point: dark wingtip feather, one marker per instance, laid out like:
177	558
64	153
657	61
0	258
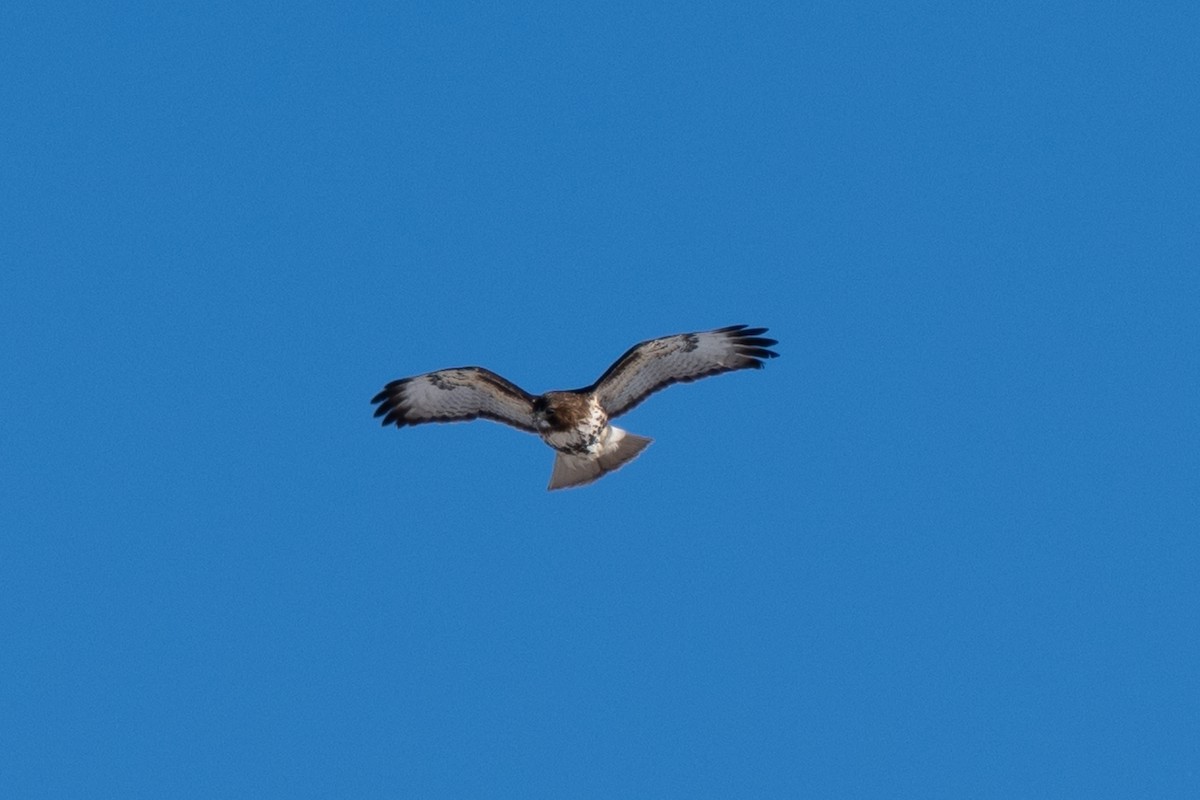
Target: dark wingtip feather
752	344
388	401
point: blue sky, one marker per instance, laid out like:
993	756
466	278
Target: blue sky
945	546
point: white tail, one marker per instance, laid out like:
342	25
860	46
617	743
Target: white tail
619	448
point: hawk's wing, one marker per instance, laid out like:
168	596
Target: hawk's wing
658	363
454	395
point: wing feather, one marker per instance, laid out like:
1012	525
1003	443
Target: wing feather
655	364
455	395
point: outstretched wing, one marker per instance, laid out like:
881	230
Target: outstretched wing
455	395
658	363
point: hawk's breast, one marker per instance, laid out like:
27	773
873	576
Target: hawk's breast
574	422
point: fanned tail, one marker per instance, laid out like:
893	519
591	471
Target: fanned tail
620	447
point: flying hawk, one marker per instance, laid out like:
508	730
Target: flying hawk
576	422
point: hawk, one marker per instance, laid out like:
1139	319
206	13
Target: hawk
576	422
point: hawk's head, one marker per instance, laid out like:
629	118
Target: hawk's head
561	411
544	415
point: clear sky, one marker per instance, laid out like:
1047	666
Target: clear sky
944	546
